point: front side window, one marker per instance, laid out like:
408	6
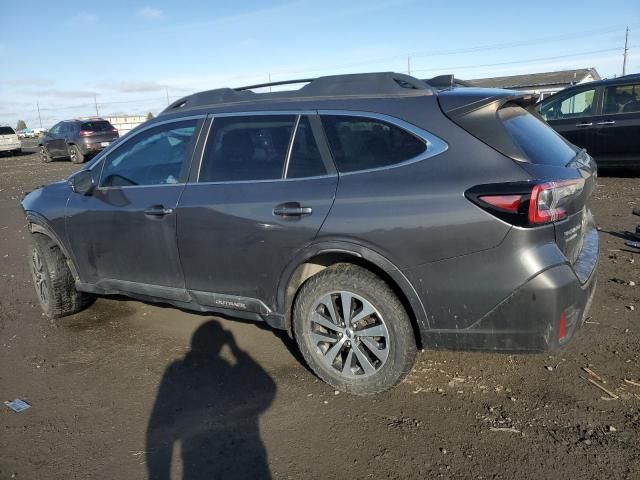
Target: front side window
622	99
55	129
252	147
154	157
579	105
361	143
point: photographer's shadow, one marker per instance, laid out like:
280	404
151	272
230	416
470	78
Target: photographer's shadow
211	407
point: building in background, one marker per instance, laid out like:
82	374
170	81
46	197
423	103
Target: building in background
125	123
544	84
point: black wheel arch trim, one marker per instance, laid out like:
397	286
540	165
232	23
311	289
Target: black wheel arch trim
360	252
39	224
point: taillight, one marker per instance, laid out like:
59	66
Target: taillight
84	133
527	204
114	130
548	200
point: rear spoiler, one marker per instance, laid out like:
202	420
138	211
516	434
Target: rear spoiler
476	111
460	102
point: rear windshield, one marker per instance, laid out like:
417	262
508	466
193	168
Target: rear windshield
6	131
97	126
539	142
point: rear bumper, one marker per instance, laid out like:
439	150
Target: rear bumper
530	318
10	147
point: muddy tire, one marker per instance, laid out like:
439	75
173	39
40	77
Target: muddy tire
45	157
353	331
53	281
75	154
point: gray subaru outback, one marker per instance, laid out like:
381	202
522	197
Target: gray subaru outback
367	215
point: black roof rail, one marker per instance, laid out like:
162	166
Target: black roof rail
275	84
351	85
446	81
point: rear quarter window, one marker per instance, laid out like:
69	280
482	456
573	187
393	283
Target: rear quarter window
362	143
6	131
539	142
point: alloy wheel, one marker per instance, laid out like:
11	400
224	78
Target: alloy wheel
39	277
349	334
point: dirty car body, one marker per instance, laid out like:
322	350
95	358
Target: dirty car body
467	206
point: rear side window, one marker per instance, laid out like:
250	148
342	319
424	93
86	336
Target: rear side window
97	126
622	99
6	131
539	142
361	143
157	156
247	148
305	160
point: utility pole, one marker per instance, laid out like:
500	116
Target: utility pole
408	65
626	49
166	89
95	102
269	81
39	117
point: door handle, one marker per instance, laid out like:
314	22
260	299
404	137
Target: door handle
584	124
158	211
291	209
608	122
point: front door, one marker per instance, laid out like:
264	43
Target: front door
572	116
54	141
262	193
124	233
617	130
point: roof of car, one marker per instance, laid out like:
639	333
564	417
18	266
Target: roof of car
364	85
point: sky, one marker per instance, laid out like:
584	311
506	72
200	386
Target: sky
128	56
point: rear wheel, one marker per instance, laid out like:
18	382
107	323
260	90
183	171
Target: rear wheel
75	154
353	331
44	154
53	281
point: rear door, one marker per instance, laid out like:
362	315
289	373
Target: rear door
617	129
572	116
261	193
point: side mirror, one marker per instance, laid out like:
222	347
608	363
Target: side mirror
83	182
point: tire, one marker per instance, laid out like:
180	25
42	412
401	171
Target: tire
53	281
44	154
376	309
75	154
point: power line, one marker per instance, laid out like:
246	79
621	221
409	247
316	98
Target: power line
530	60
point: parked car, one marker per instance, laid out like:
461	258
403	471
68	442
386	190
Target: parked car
364	214
76	139
9	141
601	116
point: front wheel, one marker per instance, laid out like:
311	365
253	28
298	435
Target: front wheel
75	154
53	281
44	154
353	331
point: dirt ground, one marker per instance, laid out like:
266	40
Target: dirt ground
126	390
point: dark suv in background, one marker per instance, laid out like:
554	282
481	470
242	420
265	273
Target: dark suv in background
364	214
76	139
601	116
